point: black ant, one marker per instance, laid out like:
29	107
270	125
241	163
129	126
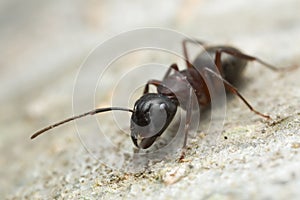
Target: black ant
148	110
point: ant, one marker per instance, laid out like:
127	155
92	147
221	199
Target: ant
146	119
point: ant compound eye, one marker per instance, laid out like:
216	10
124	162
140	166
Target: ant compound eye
162	106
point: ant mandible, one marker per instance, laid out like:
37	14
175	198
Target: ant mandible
147	112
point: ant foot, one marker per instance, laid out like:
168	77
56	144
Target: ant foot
182	156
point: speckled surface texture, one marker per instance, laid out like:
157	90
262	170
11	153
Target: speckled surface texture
42	47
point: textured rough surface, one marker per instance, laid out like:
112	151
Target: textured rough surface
42	46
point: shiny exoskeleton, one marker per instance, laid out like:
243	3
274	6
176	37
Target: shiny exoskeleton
153	112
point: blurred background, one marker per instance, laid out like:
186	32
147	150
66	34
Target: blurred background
43	44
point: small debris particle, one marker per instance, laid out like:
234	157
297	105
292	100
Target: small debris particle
173	176
202	135
295	145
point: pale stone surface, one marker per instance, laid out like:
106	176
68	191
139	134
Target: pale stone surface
42	46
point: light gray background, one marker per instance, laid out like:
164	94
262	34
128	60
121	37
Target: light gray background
42	46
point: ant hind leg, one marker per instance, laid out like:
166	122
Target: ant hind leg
247	58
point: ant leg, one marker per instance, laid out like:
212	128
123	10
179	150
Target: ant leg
185	53
233	90
156	83
245	57
187	125
173	66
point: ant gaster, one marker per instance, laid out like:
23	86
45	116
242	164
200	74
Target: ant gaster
153	112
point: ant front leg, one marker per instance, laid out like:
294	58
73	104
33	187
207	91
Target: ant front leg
184	46
156	83
187	124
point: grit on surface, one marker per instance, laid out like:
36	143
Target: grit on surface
42	46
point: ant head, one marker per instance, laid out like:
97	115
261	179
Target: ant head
152	115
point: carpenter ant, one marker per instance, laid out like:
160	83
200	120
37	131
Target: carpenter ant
147	112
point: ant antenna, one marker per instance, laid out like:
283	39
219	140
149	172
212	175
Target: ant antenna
92	112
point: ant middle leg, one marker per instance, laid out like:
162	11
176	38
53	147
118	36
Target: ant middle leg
233	90
174	67
185	53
